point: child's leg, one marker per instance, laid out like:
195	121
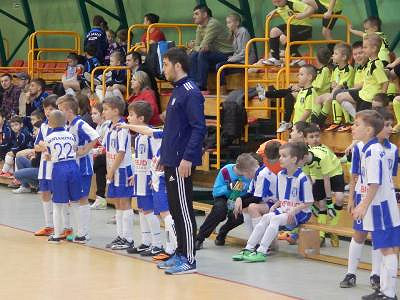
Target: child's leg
127	219
347	102
272	231
144	229
256	211
217	214
8	166
154	225
47	209
119	213
376	258
75	216
170	234
259	231
84	209
337	112
58	219
231	223
66	217
389	271
322	218
355	250
396	109
274	42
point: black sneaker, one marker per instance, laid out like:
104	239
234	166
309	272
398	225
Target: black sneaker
218	242
136	250
198	245
375	282
54	240
348	281
122	245
81	239
114	241
378	296
151	252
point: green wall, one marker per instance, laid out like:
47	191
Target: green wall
64	15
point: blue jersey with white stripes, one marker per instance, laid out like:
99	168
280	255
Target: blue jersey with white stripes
264	185
45	166
83	134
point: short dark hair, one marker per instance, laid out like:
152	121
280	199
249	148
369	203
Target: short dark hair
344	49
83	103
98	107
99	21
50	100
38	113
6	75
385	113
73	55
296	149
153	18
301	126
357	44
372	119
40	82
91	49
70	101
310	70
122	34
16	119
37	124
374	21
324	55
203	8
143	109
115	103
271	150
177	55
136	56
312	128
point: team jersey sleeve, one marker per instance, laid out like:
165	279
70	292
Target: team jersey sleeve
395	162
265	187
122	140
379	74
39	137
158	134
90	133
373	166
305	190
355	161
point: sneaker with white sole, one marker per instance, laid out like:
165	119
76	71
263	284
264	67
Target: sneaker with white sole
22	190
99	204
122	245
261	91
298	63
284	126
272	62
181	267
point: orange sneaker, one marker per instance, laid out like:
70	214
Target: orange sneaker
45	231
163	256
66	233
332	127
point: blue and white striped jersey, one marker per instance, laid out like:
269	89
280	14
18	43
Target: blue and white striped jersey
264	185
61	145
45	167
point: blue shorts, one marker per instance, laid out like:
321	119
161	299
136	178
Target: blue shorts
160	201
44	185
86	181
119	191
66	182
300	218
388	238
145	202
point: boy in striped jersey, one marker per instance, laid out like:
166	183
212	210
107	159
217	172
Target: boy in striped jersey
117	142
45	168
86	138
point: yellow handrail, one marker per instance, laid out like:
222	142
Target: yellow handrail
103	78
218	103
130	31
267	23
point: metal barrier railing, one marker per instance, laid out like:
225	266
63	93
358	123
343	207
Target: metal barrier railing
130	32
103	77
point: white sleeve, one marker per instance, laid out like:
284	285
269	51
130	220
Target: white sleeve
373	166
123	139
90	132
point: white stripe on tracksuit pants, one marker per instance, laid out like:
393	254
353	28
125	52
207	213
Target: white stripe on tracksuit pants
181	208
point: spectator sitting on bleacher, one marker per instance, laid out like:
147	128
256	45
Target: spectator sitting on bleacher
74	70
5	136
212	45
36	95
156	35
20	140
27	167
112	46
300	28
97	37
122	43
91	62
10	101
240	37
142	90
84	109
23	81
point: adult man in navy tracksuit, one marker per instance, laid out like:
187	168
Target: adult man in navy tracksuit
181	151
97	37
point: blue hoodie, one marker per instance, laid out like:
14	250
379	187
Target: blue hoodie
185	125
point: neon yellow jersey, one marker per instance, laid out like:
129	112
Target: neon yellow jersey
374	77
359	74
304	101
324	163
344	76
338	5
392	89
384	52
292	7
322	82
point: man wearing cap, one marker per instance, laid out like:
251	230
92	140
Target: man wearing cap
10	100
22	82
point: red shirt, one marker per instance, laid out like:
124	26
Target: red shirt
148	96
156	35
276	167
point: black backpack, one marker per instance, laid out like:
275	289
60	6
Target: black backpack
154	57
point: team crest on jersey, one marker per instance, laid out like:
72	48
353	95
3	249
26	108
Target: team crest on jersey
302	99
294	192
142	149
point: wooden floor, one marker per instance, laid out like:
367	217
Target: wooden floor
33	269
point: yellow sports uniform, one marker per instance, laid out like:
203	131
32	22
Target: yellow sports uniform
304	101
322	82
359	74
343	76
292	7
338	5
324	163
374	77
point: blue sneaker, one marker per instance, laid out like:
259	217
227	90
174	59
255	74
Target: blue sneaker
182	267
172	261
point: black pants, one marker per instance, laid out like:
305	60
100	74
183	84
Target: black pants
180	199
100	169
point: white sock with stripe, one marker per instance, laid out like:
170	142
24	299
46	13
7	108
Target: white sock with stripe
118	219
127	227
376	258
58	219
47	210
389	275
144	229
66	216
154	225
84	220
75	216
355	251
170	235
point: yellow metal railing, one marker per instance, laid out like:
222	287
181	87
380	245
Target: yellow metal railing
103	77
178	27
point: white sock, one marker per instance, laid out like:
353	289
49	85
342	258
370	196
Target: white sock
66	216
47	209
170	235
258	231
58	219
271	232
347	106
154	225
8	164
144	229
75	216
127	227
355	251
376	257
248	222
389	275
255	221
119	220
84	220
